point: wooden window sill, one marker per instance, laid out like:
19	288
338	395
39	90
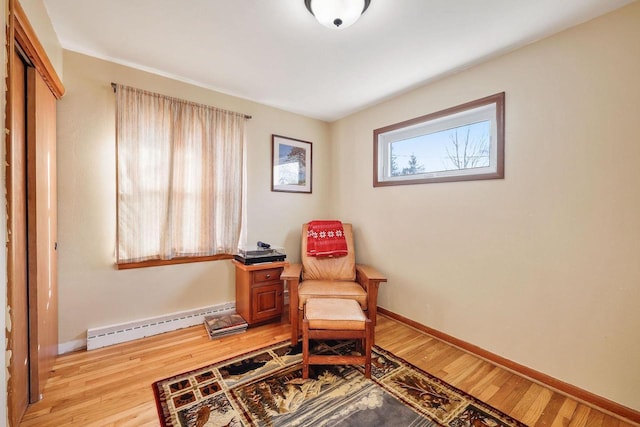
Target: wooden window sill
182	260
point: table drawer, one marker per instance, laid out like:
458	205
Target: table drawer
266	275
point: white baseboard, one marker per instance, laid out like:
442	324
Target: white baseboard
123	332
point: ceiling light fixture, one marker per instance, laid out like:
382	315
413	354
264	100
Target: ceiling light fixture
337	13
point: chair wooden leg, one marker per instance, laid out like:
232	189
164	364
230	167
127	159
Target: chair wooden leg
372	315
295	332
367	348
305	349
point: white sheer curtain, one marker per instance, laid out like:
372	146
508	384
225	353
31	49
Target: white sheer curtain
180	177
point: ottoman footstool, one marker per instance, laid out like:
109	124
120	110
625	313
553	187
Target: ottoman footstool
334	318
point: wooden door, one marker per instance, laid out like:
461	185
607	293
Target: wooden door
32	330
18	382
42	231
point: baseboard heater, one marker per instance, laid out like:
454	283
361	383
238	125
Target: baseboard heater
123	332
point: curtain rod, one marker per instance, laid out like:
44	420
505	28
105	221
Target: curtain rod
114	86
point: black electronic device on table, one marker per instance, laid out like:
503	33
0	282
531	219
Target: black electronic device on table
263	252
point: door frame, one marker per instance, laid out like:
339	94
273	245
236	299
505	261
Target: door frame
21	38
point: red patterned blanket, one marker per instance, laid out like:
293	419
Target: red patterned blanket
326	239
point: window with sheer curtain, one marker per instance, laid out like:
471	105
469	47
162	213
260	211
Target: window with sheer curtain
180	179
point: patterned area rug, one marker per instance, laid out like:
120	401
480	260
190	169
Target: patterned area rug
265	388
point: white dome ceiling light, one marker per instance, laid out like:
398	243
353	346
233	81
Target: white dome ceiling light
337	14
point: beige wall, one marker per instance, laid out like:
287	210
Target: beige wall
543	267
92	292
39	20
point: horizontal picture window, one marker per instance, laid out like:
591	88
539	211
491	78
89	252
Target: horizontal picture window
461	143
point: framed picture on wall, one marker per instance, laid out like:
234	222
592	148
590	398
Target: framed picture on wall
290	165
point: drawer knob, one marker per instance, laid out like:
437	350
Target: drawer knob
267	276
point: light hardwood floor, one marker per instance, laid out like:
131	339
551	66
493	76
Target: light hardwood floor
112	386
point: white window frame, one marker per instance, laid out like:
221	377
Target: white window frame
490	109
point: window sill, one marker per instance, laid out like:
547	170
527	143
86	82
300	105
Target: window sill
160	262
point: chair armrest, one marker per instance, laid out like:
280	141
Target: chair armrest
291	272
370	278
369	274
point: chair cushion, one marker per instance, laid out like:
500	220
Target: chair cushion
334	314
336	268
331	289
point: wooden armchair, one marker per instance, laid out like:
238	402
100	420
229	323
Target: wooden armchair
338	277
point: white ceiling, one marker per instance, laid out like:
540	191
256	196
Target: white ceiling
275	53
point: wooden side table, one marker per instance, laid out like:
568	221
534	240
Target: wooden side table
259	291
